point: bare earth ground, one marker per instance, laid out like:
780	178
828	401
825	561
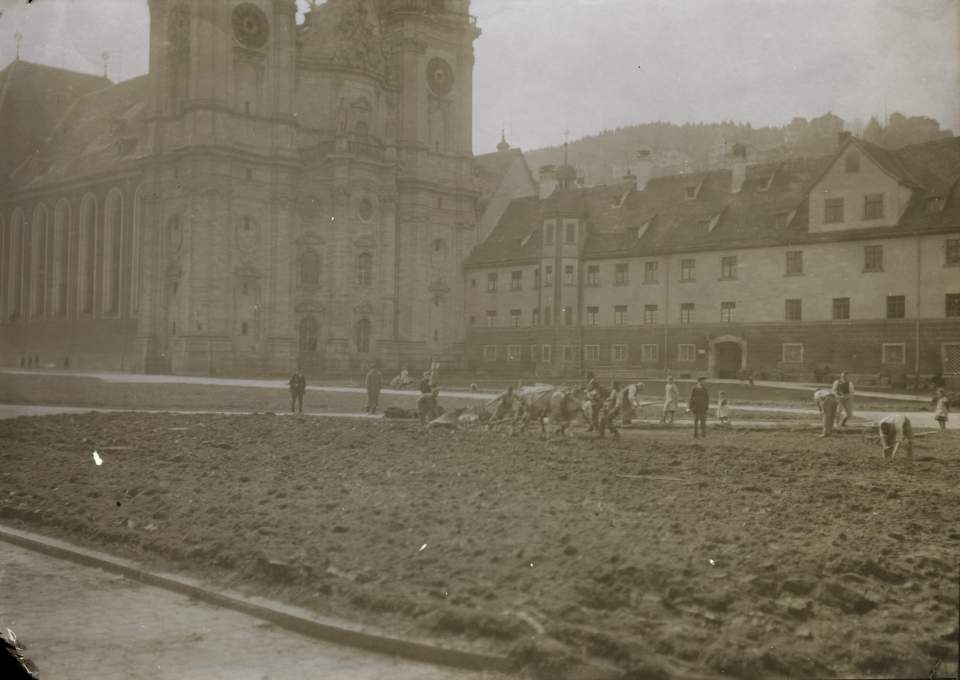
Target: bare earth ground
749	555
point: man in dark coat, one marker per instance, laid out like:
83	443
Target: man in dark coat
374	383
298	385
698	405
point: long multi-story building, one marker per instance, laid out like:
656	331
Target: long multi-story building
848	261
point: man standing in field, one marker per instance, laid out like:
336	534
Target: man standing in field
699	405
843	388
826	402
298	386
427	406
374	383
895	430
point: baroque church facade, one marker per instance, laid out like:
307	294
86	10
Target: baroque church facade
271	194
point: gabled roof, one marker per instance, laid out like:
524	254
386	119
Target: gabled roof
770	209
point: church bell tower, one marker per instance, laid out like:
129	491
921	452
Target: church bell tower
218	188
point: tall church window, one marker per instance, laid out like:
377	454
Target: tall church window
112	252
61	235
38	261
87	253
15	266
365	269
135	245
363	336
309	268
4	235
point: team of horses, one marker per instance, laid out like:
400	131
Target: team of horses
540	403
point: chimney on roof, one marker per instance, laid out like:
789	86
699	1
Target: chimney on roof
739	168
842	138
548	180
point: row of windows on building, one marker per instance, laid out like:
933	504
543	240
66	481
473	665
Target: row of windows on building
310	269
41	265
896	308
791	353
793	266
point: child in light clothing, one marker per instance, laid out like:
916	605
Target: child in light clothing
723	409
941	409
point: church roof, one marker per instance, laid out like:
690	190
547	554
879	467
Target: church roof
103	131
491	168
32	100
699	211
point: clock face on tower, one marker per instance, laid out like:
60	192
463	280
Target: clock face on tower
250	25
439	76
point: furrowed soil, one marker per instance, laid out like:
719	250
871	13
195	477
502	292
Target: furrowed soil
750	555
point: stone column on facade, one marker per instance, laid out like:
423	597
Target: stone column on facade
388	266
149	325
277	301
341	312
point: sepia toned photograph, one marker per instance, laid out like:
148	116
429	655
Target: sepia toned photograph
479	339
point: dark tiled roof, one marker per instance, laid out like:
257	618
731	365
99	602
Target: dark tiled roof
33	98
103	131
516	237
770	209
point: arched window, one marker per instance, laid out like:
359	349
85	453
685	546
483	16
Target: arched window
361	130
87	253
365	269
112	251
15	265
363	336
135	261
38	260
309	268
61	235
308	335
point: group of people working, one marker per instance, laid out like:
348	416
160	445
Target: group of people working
623	401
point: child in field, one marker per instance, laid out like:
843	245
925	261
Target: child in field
723	409
941	409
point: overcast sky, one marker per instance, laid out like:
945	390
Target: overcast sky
546	66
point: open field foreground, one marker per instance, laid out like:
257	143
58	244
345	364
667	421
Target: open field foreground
752	555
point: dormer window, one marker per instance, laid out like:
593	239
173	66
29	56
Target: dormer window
933	204
852	161
548	235
691	193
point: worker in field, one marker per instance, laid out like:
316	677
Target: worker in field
941	408
374	383
298	386
699	406
428	406
843	388
671	401
827	403
595	394
896	431
610	408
